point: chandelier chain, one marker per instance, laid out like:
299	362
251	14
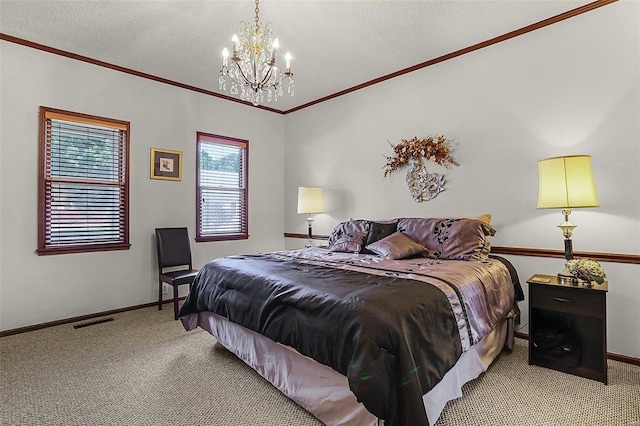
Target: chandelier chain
257	12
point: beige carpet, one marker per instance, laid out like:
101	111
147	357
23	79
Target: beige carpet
144	369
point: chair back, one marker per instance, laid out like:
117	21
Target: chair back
174	247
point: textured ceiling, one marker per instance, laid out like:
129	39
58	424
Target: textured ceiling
335	44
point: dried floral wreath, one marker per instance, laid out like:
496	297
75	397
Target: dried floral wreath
434	148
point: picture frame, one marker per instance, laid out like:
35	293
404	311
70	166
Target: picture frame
166	164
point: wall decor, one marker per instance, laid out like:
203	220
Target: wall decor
423	186
166	164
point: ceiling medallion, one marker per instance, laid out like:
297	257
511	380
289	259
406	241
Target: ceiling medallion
253	73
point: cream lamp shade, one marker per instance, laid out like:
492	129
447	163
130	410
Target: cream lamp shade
310	200
566	182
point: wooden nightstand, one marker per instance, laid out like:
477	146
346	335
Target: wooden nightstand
568	327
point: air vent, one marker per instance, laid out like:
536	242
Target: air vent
98	321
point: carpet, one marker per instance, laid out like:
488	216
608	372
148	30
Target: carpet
142	368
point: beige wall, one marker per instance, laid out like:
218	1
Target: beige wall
36	289
571	88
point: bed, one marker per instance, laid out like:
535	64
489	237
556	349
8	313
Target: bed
382	326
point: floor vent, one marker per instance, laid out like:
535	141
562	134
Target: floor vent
87	324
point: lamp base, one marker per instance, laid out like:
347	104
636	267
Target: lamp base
310	236
568	249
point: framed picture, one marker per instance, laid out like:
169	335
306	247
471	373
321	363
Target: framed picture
166	164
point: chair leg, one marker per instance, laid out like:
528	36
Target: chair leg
160	295
175	302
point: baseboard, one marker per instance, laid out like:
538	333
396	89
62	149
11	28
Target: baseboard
80	318
525	336
615	357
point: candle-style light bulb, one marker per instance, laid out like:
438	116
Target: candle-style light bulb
225	56
235	41
276	45
287	60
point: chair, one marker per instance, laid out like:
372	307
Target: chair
174	250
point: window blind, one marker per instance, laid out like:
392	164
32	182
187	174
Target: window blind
85	183
222	188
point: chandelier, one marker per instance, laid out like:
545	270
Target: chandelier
253	73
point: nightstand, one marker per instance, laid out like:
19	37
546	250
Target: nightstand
568	327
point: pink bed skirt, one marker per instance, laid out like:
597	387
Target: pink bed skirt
324	392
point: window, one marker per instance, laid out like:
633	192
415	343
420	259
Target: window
83	195
221	188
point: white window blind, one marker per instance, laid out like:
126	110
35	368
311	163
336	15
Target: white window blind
221	188
84	186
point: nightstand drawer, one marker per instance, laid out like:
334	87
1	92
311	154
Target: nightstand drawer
569	300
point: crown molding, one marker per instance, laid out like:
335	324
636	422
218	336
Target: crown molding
535	26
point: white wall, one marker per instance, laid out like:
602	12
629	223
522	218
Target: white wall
571	88
36	289
568	88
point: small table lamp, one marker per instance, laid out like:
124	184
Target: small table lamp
310	201
566	183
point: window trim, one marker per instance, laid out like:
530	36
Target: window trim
47	113
213	138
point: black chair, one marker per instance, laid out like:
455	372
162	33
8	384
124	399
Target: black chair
174	250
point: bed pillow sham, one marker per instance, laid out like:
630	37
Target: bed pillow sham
450	239
350	229
349	243
396	246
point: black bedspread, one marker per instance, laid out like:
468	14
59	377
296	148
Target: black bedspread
393	338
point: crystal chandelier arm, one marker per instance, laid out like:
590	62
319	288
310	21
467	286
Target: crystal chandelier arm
287	74
235	59
266	78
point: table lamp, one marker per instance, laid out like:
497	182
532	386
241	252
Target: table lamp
310	201
566	183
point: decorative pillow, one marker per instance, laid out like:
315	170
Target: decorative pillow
377	231
486	218
450	239
396	246
349	243
349	228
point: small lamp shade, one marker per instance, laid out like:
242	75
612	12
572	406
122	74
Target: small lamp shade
310	200
566	182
